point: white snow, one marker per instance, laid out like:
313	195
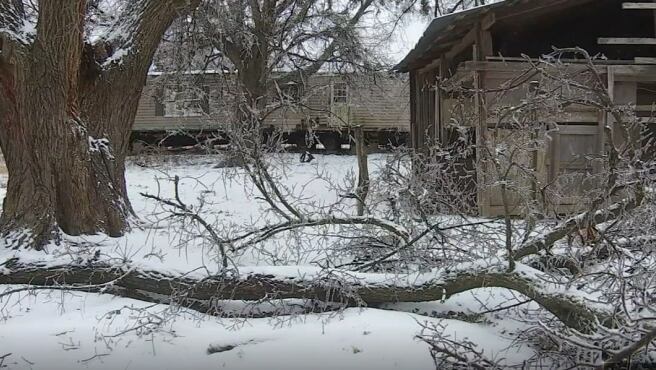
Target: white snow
54	330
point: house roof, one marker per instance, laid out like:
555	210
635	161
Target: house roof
444	31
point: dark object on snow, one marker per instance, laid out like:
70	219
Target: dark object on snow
306	157
212	349
218	349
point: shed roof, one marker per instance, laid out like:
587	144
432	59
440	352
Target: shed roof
444	31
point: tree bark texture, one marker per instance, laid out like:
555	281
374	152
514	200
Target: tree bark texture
65	120
199	293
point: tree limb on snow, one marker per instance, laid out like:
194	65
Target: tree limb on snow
199	292
629	350
545	241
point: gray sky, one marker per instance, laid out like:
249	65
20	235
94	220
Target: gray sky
407	36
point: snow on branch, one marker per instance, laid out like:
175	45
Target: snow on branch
16	23
139	27
198	291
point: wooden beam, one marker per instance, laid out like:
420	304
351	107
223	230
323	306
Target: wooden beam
533	10
432	65
645	60
465	43
645	108
444	114
485	46
627	40
474	36
649	6
488	21
482	193
654	13
564	60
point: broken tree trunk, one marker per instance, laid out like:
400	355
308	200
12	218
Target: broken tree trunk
200	292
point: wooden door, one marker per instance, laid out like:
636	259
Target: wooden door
570	166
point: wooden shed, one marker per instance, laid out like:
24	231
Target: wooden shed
490	45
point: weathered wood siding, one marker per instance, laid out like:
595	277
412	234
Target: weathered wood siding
572	149
426	126
565	166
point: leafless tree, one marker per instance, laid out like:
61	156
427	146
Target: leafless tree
586	267
414	227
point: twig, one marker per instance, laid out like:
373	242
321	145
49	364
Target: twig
179	204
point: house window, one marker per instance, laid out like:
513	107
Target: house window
340	92
184	101
291	92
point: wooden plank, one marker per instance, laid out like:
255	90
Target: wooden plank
554	154
432	65
541	172
444	108
485	46
605	117
413	110
482	195
624	93
437	119
488	21
577	118
645	60
627	40
471	37
649	6
465	42
564	60
623	71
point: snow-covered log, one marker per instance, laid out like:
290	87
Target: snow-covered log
198	291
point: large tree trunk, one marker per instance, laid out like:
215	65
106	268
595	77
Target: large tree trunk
57	180
65	121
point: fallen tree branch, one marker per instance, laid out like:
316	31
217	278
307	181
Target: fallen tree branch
625	353
199	292
545	241
270	231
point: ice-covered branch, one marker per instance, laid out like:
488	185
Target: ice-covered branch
136	33
198	291
546	240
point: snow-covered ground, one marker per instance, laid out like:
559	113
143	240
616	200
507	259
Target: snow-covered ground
55	330
51	331
158	242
